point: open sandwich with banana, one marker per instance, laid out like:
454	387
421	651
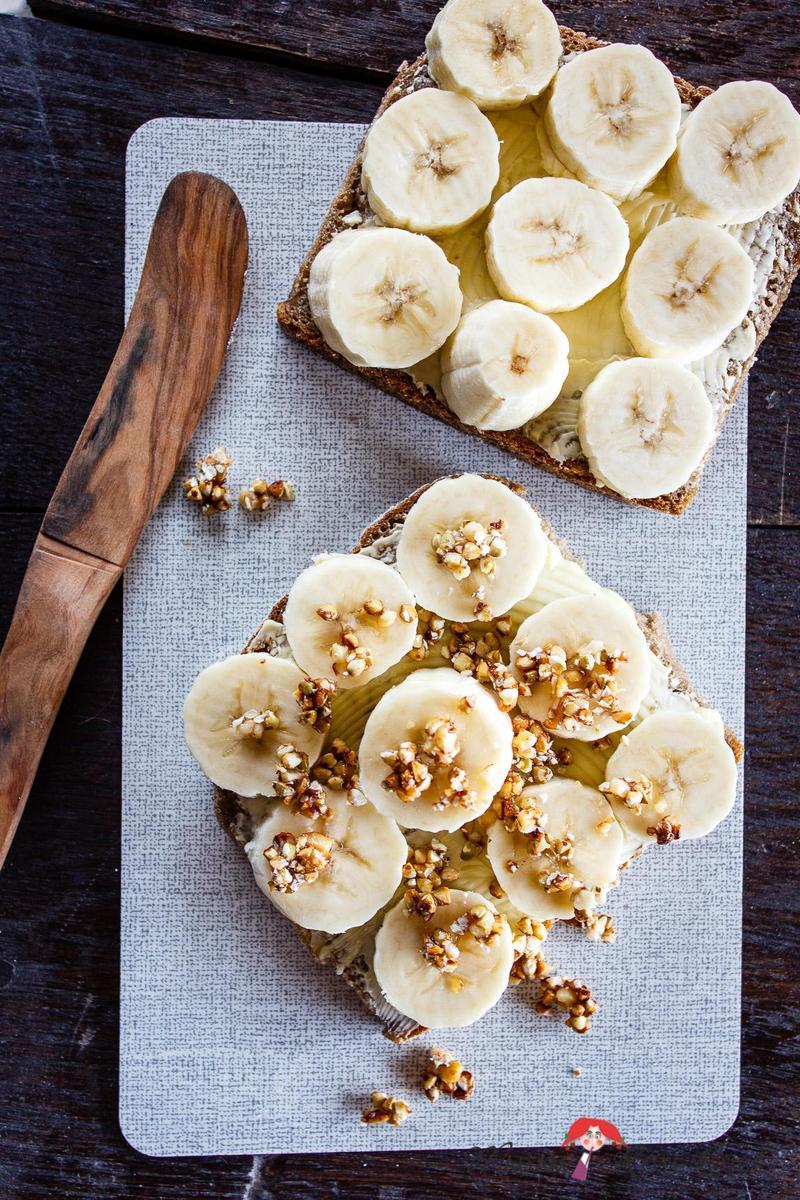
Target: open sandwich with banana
441	745
555	244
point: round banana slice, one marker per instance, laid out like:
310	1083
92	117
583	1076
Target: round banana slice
237	714
738	154
470	547
688	285
478	968
498	53
673	776
383	297
583	846
586	664
356	863
430	162
349	618
613	118
644	425
503	365
555	243
435	750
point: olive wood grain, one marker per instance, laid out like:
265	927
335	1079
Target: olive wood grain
158	384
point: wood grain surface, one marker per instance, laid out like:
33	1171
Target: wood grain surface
69	99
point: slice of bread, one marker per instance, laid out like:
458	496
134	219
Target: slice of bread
294	314
237	820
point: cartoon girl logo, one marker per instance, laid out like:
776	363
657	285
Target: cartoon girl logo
590	1134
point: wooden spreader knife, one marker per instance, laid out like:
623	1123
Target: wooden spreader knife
161	377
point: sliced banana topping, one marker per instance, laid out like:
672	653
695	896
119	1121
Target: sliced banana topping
571	843
447	970
384	297
435	750
430	162
738	154
500	53
644	426
613	118
350	618
584	664
673	776
239	713
687	287
555	243
470	548
504	365
332	874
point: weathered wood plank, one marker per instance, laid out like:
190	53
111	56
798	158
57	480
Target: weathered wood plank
707	42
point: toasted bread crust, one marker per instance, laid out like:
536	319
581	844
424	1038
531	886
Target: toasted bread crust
229	812
294	314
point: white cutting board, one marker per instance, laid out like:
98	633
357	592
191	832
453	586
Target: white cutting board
233	1040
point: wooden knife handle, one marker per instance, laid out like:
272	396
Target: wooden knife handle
62	593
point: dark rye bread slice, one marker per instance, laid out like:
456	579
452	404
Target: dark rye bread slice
237	821
294	314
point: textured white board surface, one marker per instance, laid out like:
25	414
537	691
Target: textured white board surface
233	1040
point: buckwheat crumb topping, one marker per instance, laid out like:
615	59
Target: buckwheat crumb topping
295	786
534	752
281	489
429	631
470	546
254	723
208	486
375	613
427	875
348	654
295	860
445	1075
479	655
385	1110
441	947
632	792
413	767
583	685
570	996
313	698
598	927
556	881
519	813
337	769
665	831
528	937
409	776
255	498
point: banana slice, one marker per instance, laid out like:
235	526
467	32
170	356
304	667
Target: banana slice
498	52
384	297
583	845
431	996
555	243
613	118
237	714
738	154
504	365
430	162
644	425
470	548
672	776
586	664
349	618
687	287
435	750
364	866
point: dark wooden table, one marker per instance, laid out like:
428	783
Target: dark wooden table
74	84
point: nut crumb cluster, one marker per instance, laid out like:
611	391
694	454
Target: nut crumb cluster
208	487
254	723
441	947
430	630
480	655
634	793
427	875
294	860
413	767
385	1110
337	769
295	786
583	685
313	698
527	938
260	494
349	656
471	546
446	1076
569	996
